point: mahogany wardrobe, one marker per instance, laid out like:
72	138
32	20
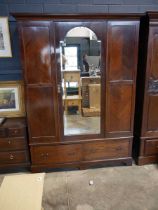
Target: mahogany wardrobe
42	37
146	117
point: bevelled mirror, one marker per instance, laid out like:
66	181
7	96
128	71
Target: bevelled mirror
80	59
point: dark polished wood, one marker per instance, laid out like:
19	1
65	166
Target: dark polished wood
97	16
40	80
17	143
40	37
13	144
41	121
42	61
146	117
121	65
81	151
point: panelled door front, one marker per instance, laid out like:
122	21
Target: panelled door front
121	66
40	80
150	121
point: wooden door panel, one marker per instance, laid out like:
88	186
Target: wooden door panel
119	108
41	108
150	118
153	113
37	54
121	67
154	54
122	50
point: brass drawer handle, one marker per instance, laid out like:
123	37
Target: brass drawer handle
9	142
44	155
11	157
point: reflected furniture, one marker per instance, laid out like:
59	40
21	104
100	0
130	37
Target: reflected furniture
40	37
13	144
70	76
94	96
85	82
146	118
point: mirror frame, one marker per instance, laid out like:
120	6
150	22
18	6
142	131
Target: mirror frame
99	29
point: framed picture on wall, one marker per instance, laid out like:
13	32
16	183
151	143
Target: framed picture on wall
5	46
12	99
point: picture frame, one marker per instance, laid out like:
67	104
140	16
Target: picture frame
5	45
12	99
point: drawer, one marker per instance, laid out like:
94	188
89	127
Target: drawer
151	147
13	157
3	132
95	80
7	144
72	76
105	150
73	102
56	154
14	132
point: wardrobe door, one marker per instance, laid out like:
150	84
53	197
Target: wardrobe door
74	39
40	80
121	65
150	120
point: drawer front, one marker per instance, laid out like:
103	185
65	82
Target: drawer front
13	157
151	147
73	77
7	144
73	102
15	132
80	152
56	154
3	132
106	149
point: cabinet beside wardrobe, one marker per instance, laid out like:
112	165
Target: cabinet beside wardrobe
146	117
40	37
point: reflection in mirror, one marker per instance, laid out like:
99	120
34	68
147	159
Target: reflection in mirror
81	82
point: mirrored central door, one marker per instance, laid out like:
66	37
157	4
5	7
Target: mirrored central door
80	73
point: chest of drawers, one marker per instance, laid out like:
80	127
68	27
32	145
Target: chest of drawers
13	143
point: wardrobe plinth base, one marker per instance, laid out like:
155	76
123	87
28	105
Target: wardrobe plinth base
83	165
142	160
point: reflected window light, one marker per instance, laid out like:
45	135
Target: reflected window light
71	58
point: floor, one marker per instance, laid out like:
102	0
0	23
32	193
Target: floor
112	188
76	124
